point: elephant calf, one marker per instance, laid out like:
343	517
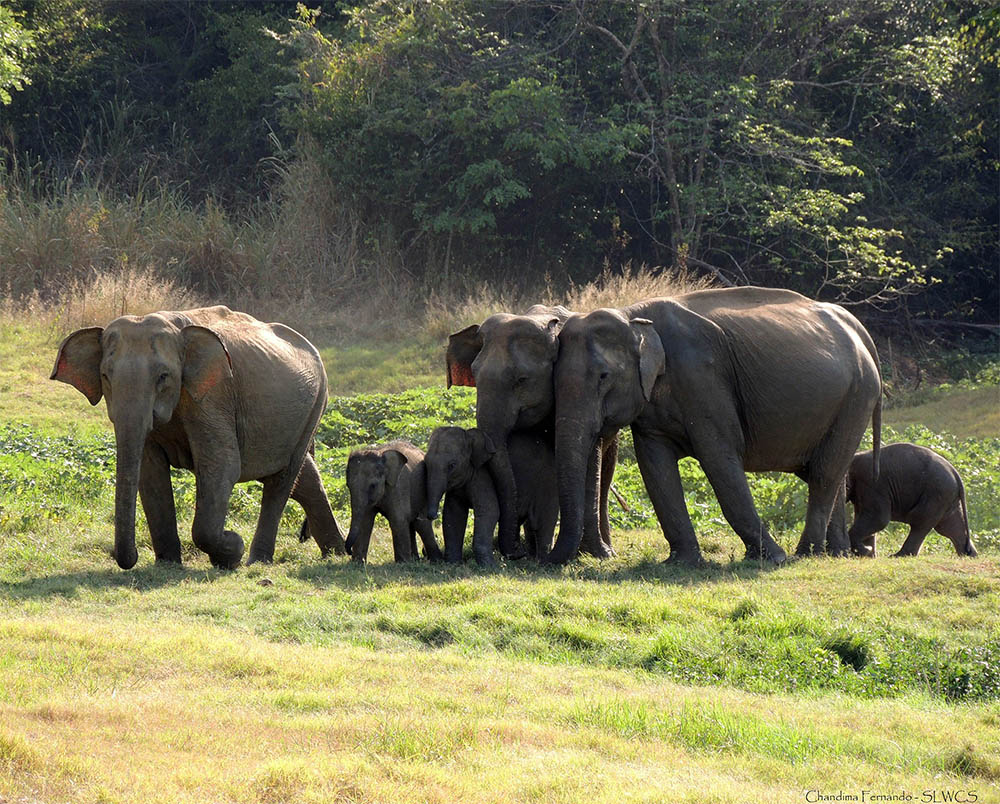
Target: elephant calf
457	470
390	480
916	486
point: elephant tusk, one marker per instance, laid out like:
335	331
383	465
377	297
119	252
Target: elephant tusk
621	500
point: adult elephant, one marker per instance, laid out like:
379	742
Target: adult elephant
217	392
743	379
509	360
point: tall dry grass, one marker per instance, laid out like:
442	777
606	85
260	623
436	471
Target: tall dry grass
80	255
470	303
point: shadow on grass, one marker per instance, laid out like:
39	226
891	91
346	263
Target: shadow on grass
352	576
69	584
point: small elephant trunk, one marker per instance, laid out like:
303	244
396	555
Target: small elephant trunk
130	438
437	485
360	535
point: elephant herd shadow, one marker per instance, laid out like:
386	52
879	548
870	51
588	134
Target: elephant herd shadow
348	576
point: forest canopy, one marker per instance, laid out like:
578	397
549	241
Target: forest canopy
847	150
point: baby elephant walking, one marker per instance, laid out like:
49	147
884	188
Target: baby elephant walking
457	471
390	480
916	486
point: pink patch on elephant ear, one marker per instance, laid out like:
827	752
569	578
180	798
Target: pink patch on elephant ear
207	380
81	380
460	374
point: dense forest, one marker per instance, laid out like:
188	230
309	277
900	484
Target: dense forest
845	149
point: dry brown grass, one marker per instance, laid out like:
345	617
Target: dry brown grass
99	298
468	304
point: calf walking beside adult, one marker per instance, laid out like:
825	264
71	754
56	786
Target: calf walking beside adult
743	379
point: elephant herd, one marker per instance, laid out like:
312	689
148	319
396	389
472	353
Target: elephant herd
742	379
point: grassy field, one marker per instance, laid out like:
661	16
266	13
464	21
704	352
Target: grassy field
316	681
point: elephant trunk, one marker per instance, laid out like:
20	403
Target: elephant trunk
130	437
437	485
575	449
360	534
503	481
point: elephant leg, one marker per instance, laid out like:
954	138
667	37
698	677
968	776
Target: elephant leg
914	540
157	495
729	482
320	522
592	542
823	494
862	533
658	467
952	525
609	458
530	535
825	474
921	520
837	543
400	529
544	516
274	497
425	529
454	518
485	516
213	488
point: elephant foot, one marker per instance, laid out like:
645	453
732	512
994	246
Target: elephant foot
864	551
304	531
175	560
518	552
688	558
487	563
901	554
771	553
601	551
230	551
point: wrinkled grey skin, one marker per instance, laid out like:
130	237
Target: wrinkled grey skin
217	392
743	379
509	359
915	485
391	480
456	470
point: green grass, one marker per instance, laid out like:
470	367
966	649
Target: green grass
317	680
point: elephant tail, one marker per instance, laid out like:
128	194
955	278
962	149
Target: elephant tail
970	549
876	436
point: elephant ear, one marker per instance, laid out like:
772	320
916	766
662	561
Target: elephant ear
79	362
394	461
481	447
652	360
206	361
463	347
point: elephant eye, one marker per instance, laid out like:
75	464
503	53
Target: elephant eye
521	381
162	378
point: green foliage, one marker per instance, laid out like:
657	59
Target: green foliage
15	48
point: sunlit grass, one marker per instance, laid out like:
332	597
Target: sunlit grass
317	680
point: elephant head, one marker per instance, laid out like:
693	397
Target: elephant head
453	456
144	367
607	367
509	359
371	475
